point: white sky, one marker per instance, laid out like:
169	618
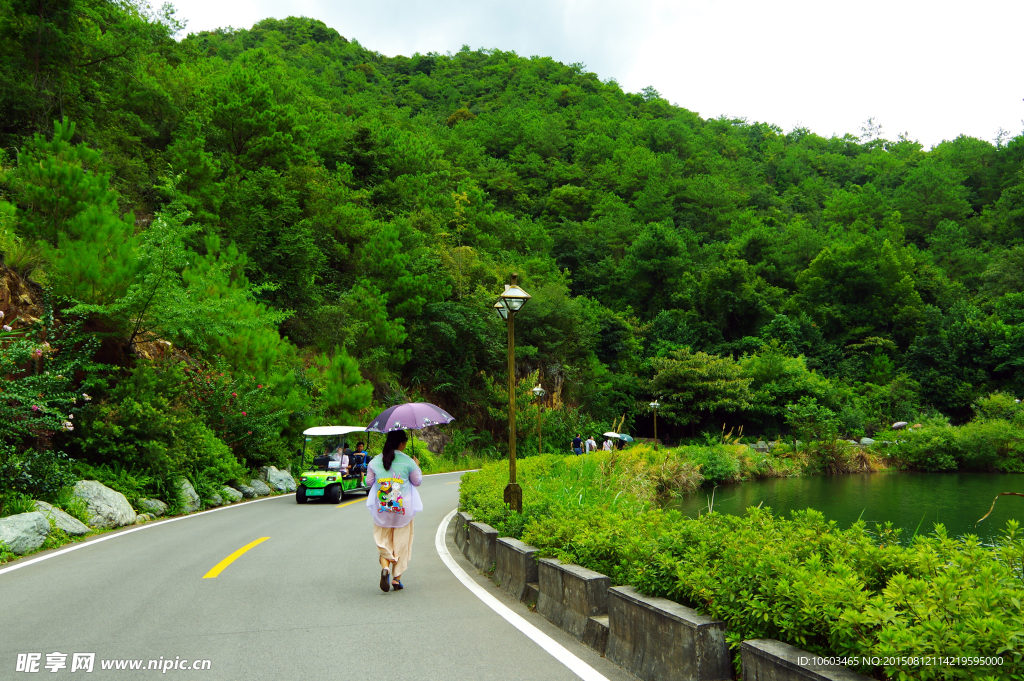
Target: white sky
931	68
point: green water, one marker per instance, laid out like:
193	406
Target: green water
957	500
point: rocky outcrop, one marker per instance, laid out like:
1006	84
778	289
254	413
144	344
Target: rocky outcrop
189	499
61	520
107	508
278	480
231	494
214	500
24	532
435	438
153	507
259	487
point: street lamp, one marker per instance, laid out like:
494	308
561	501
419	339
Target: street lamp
654	405
538	392
510	302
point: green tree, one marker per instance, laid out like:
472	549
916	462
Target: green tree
693	386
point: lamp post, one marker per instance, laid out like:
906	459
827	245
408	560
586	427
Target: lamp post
510	302
538	392
654	405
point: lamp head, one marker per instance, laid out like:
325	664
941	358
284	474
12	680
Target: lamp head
654	404
514	297
500	308
538	391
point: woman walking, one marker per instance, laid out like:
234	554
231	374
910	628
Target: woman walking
393	500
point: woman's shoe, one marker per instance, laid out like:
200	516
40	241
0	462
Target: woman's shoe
396	584
385	580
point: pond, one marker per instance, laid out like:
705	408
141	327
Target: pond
956	500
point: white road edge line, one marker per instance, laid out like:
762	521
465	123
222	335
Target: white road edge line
115	535
555	649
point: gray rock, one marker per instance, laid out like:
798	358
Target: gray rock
852	442
153	507
867	441
231	494
189	499
24	532
247	492
107	507
260	487
142	518
899	424
73	526
280	481
214	500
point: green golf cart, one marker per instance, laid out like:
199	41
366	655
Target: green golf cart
324	479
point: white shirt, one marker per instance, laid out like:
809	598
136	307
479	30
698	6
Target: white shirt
607	445
591	445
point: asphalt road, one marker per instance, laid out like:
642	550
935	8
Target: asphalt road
305	603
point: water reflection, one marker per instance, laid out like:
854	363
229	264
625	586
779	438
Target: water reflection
957	500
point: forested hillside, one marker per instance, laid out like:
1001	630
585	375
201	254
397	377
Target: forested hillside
294	211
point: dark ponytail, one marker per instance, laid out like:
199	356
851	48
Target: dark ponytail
394	440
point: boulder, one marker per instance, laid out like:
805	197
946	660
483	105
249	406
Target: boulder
153	507
107	508
259	487
24	532
867	441
189	499
280	481
231	494
899	424
73	526
214	500
247	492
142	518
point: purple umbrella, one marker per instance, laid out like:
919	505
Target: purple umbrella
411	415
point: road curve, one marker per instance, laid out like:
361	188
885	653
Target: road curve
304	603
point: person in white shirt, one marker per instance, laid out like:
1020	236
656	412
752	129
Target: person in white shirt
591	444
607	445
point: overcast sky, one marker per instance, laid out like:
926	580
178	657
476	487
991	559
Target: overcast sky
933	69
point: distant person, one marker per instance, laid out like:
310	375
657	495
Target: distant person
577	446
620	444
591	444
359	461
393	501
607	446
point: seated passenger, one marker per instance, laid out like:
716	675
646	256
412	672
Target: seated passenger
341	457
360	459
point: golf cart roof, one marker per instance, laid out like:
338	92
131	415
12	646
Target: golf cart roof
333	430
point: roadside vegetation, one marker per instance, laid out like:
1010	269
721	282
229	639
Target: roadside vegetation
801	579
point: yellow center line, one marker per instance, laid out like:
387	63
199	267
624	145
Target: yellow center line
349	503
453	483
219	567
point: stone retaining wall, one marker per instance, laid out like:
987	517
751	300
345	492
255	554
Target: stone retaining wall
481	546
570	596
657	639
515	566
769	660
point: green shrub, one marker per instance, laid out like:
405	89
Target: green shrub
145	427
982	444
717	464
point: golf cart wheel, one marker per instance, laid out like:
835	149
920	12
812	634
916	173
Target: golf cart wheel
300	494
335	494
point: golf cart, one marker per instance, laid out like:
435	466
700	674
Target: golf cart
324	479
